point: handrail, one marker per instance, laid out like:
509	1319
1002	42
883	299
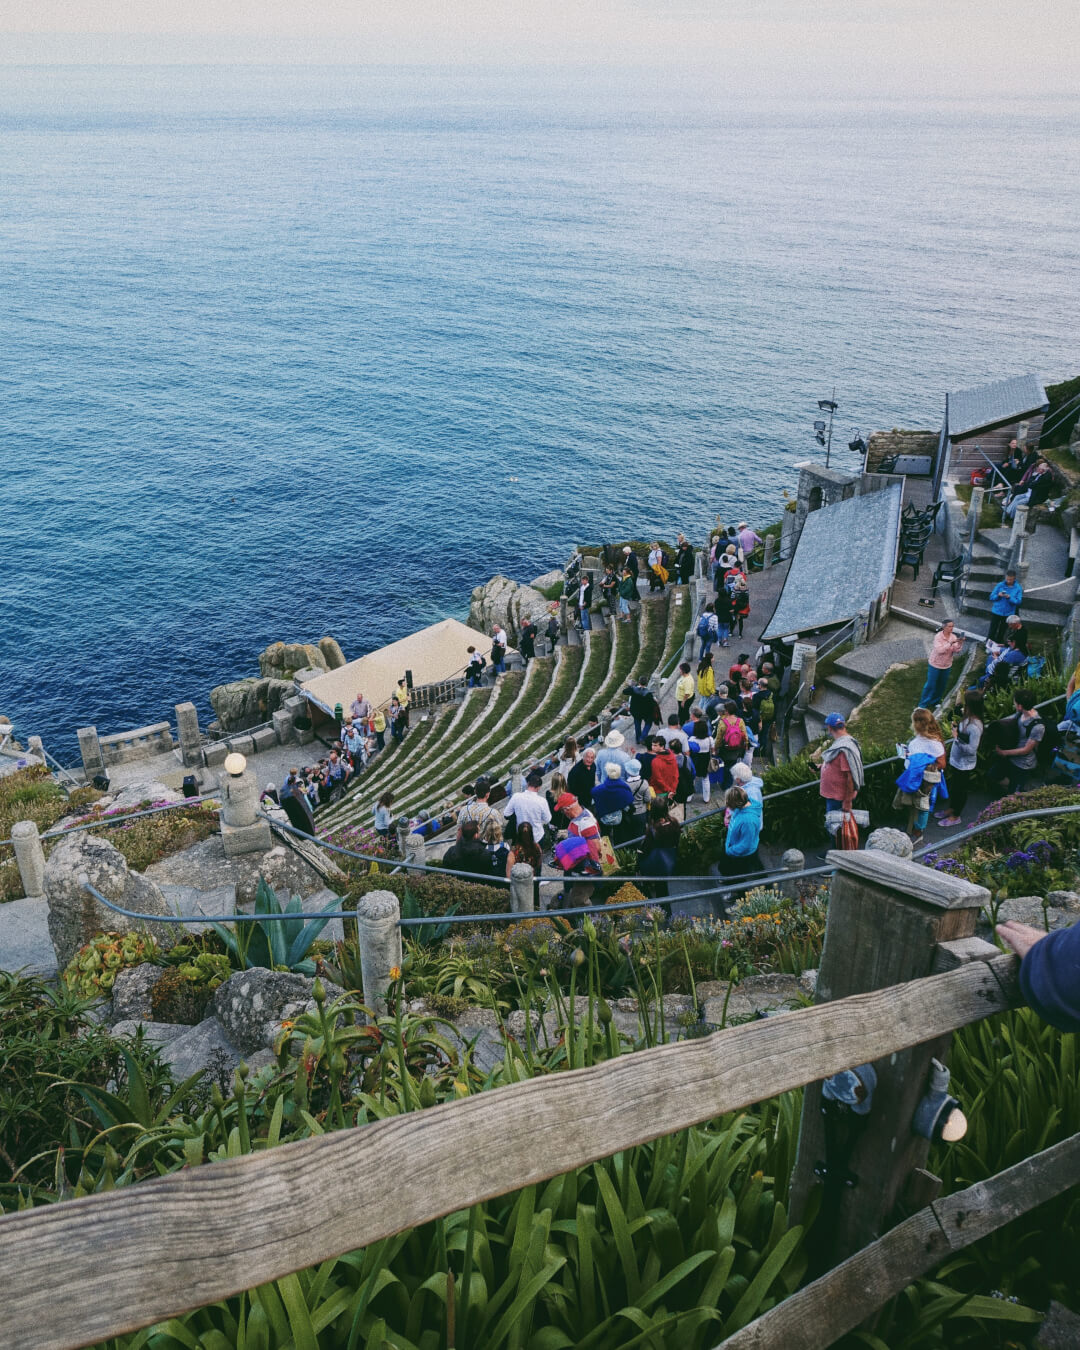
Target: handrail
251	1231
122	817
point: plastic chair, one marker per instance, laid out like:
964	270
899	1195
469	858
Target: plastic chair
911	557
950	572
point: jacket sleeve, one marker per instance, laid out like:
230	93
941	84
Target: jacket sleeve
1050	978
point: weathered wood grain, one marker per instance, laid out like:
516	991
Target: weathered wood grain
137	1255
825	1310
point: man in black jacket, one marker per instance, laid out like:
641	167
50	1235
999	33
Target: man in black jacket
643	709
684	559
582	777
468	854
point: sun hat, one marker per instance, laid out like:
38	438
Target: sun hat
566	801
633	769
835	720
613	740
742	525
613	770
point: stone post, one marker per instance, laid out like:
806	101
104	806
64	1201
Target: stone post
30	857
241	829
770	549
188	734
689	643
403	829
36	746
522	890
806	679
379	938
861	632
1016	538
517	778
90	749
887	918
562	615
416	849
792	861
283	726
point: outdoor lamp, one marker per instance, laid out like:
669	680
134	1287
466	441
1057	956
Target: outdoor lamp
819	425
938	1116
853	1088
857	444
819	437
827	405
235	764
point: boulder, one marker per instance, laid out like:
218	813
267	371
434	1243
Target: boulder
332	653
1029	909
153	1033
753	995
556	577
281	660
247	703
501	600
132	990
1069	900
252	1004
204	867
75	916
886	840
202	1047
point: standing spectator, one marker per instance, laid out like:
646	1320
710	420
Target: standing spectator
723	608
731	738
481	812
630	562
360	708
740	601
1005	599
706	679
353	741
664	770
1022	758
967	733
609	588
748	540
924	762
525	849
569	756
684	691
378	728
529	807
498	649
584	601
684	559
658	573
556	788
384	818
611	799
764	701
551	632
582	777
399	720
474	671
295	803
660	848
467	853
527	644
644	709
743	776
627	592
945	648
401	693
612	753
740	856
700	746
708	629
841	766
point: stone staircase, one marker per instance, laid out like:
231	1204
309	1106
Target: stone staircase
1046	552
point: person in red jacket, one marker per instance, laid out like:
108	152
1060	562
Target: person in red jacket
664	771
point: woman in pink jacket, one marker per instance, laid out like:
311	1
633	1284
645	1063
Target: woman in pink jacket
947	645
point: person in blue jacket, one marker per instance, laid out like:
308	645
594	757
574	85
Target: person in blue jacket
1049	970
1005	599
743	832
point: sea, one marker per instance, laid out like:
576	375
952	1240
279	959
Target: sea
307	351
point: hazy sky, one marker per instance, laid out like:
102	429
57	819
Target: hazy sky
775	46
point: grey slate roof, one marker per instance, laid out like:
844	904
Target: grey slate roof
989	404
845	558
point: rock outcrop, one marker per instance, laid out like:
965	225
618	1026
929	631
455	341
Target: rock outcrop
251	1005
132	992
281	660
247	703
332	653
501	600
556	577
75	916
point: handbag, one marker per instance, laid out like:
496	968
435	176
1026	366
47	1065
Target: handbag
608	861
847	836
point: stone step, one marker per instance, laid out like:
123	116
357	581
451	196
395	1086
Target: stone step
814	724
848	688
848	671
1055	615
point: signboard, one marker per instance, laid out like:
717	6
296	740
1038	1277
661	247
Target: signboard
799	651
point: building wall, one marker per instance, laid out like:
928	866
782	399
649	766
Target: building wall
994	444
883	444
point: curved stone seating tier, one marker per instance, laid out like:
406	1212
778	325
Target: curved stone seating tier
679	620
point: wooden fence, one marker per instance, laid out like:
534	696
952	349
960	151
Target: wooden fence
80	1271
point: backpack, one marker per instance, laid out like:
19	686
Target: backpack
685	789
734	735
703	626
767	709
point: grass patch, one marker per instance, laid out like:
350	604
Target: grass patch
885	715
989	515
554	591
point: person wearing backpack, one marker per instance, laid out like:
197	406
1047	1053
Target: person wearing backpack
765	706
740	602
701	747
708	629
731	739
1018	763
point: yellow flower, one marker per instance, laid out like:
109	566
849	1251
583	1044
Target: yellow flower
395	972
287	1025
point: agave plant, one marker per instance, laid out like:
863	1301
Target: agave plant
276	942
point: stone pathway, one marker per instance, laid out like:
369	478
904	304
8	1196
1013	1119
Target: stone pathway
25	944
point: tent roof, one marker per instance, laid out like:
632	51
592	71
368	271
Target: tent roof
990	404
845	559
432	654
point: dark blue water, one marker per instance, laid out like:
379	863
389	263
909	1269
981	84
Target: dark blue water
275	346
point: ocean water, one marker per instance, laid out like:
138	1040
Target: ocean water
294	352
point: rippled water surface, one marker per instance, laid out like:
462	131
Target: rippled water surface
288	353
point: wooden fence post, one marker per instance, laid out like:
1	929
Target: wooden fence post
887	917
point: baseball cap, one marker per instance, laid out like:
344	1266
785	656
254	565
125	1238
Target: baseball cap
835	720
566	800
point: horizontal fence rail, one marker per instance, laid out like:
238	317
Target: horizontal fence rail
209	1232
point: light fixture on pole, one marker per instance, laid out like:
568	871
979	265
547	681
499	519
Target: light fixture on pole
822	436
938	1116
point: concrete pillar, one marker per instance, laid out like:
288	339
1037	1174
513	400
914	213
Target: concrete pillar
517	778
978	495
1019	529
522	890
806	679
862	628
770	549
90	749
36	746
379	939
30	857
241	829
188	734
415	849
562	615
283	726
403	829
689	643
792	861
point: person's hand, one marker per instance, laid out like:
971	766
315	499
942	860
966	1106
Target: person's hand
999	751
1020	937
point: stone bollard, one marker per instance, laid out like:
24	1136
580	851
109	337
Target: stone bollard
90	749
522	890
688	644
806	679
379	938
30	857
517	778
241	829
415	849
36	746
770	549
188	734
283	726
792	861
403	829
886	840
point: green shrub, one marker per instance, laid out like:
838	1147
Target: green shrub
435	894
446	1005
148	839
178	998
29	794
